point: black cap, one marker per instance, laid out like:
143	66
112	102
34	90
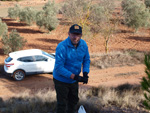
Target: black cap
75	29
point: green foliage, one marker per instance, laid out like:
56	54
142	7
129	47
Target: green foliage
136	14
28	15
47	18
3	28
147	3
51	7
146	83
39	18
13	42
13	12
50	22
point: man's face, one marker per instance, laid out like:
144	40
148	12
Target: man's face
75	38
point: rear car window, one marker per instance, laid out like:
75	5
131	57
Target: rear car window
49	55
8	59
40	58
26	59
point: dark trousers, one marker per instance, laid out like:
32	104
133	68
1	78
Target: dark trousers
67	96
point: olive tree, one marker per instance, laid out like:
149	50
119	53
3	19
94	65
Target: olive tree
78	12
13	12
135	13
101	19
12	42
47	18
3	28
28	15
95	16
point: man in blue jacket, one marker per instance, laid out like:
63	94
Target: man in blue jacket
72	55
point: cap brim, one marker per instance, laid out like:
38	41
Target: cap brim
76	32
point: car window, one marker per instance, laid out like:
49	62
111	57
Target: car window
40	58
8	59
49	55
26	59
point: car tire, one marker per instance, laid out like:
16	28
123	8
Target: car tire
19	75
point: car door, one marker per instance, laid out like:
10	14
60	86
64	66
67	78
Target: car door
49	65
44	64
28	64
41	61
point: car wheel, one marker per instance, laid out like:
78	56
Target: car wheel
19	75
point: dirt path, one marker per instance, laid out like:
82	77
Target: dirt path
117	75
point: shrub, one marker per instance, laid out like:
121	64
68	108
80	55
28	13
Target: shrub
13	12
3	28
28	15
13	42
136	14
146	83
48	17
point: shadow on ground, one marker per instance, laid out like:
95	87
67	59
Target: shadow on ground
3	74
16	25
42	47
25	30
145	39
50	40
1	51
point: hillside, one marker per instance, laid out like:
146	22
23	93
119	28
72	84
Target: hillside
123	40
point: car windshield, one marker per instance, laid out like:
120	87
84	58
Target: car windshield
49	55
8	59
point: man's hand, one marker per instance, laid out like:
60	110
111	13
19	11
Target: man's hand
81	79
85	74
72	76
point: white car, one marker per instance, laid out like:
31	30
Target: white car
27	62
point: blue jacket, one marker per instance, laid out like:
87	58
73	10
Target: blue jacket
70	59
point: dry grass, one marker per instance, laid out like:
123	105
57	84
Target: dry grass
42	102
124	98
117	59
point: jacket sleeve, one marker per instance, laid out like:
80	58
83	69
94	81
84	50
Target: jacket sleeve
86	61
60	61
